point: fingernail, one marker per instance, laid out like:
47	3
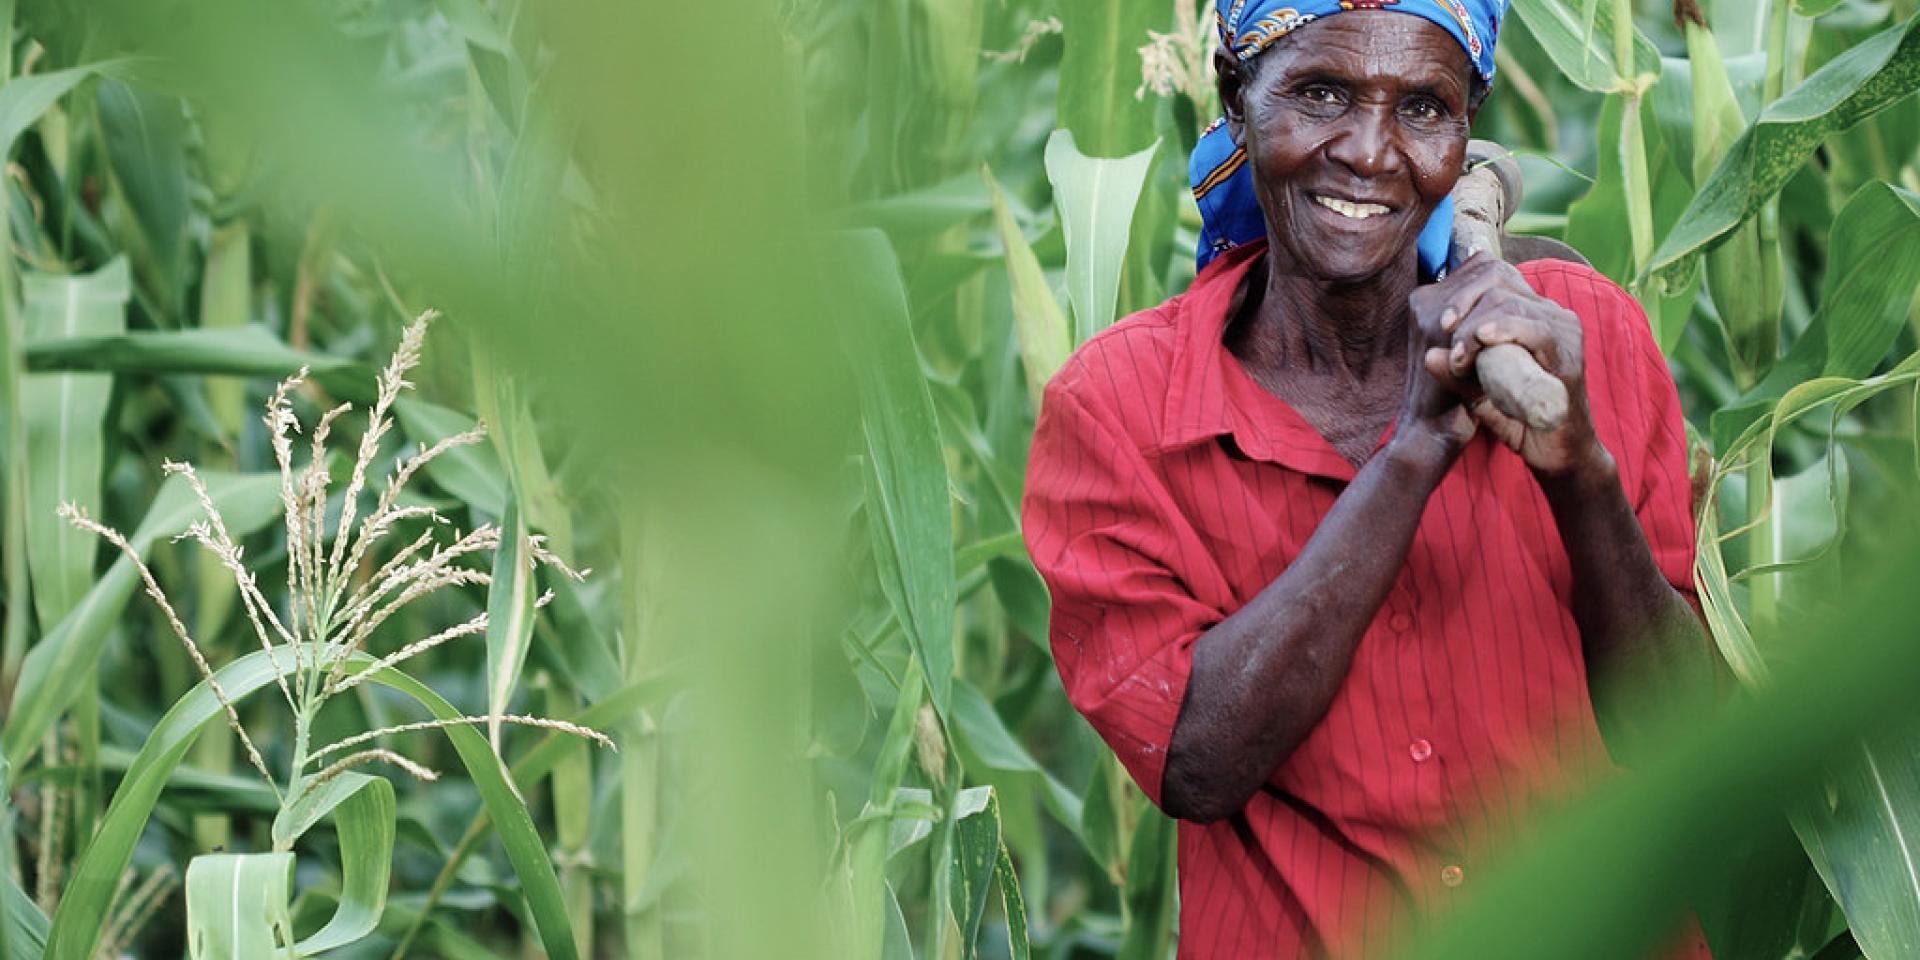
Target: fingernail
1448	319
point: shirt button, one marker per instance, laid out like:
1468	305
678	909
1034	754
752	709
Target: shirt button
1400	622
1452	875
1420	750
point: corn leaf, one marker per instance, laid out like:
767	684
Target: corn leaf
1096	198
1015	907
55	670
976	847
1873	270
1581	42
1150	890
1863	834
82	913
869	838
908	512
1043	333
363	816
23	99
1100	70
1853	86
23	928
64	415
237	906
981	732
509	617
1594	221
250	351
146	138
471	472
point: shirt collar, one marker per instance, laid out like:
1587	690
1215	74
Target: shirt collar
1209	394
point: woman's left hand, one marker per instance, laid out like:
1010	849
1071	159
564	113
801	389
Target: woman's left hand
1490	303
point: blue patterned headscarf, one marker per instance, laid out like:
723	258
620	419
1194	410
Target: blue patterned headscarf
1223	180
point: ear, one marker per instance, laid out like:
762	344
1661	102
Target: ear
1232	77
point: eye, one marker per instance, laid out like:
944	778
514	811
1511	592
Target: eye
1424	108
1321	93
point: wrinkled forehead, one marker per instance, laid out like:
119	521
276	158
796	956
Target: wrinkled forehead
1371	45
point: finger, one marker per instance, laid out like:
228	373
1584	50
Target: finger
1505	429
1479	276
1504	317
1436	363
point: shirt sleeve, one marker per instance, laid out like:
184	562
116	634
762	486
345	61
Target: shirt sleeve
1105	537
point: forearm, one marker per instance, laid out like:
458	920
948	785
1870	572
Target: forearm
1645	648
1264	677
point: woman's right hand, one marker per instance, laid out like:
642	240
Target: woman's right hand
1434	411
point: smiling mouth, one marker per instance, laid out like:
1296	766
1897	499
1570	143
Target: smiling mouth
1349	209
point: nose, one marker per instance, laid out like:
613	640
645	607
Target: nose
1366	143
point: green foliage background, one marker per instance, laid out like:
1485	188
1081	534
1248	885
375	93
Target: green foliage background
757	301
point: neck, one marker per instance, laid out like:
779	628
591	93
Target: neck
1329	328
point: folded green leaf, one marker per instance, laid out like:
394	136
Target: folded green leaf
363	816
237	906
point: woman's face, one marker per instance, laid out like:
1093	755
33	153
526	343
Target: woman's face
1356	127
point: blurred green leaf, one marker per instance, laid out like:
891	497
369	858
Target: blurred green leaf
24	99
237	906
65	418
1853	86
1096	198
1606	880
474	23
1815	8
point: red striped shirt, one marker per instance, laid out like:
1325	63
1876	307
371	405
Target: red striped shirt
1166	488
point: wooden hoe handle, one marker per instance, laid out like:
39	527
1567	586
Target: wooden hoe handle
1516	384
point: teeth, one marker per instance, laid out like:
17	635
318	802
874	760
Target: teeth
1357	211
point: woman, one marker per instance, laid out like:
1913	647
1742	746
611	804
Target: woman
1329	606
